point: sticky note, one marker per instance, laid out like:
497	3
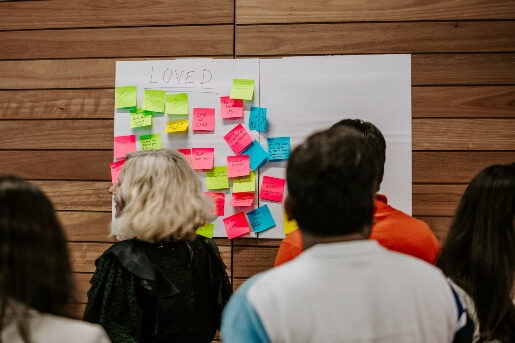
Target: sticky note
261	219
116	168
140	118
238	139
257	120
231	108
217	178
244	183
206	230
242	89
187	155
154	100
203	119
256	154
123	145
272	188
126	96
150	142
242	199
278	148
238	165
289	225
218	203
203	158
177	104
176	126
236	225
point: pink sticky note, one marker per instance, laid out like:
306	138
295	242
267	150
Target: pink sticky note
238	165
272	188
238	138
123	145
203	158
231	108
236	225
218	203
187	155
242	199
203	119
116	168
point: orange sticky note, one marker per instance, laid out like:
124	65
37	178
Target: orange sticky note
218	203
236	225
203	119
242	199
231	108
203	158
238	139
238	165
272	188
116	168
123	145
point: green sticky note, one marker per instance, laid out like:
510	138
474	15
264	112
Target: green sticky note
206	230
242	89
154	100
216	178
150	142
126	96
140	118
244	183
177	104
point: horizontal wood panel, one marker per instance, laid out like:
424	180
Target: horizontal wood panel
84	13
249	260
463	134
118	42
86	226
82	286
377	38
294	11
436	200
439	226
57	104
461	102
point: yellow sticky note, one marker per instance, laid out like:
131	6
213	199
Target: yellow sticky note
244	183
206	230
140	118
150	142
126	96
154	100
216	178
289	225
242	89
177	104
176	126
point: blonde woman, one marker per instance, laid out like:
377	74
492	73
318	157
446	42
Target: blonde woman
161	282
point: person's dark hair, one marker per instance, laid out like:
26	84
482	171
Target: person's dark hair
478	252
373	136
331	180
35	268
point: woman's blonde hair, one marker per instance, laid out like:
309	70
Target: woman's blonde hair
160	198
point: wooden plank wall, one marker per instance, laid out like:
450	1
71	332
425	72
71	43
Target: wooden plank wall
57	64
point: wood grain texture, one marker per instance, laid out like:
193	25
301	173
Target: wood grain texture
367	38
249	260
294	11
86	226
436	199
439	226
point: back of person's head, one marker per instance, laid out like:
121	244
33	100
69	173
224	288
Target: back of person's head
479	250
373	136
34	263
332	179
161	197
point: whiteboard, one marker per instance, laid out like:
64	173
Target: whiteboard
302	95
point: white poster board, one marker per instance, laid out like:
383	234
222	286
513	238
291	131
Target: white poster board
301	94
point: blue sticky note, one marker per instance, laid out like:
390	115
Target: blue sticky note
278	148
257	120
261	219
256	153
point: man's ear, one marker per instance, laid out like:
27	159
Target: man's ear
287	208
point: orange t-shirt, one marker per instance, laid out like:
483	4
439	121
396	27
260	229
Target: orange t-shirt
393	229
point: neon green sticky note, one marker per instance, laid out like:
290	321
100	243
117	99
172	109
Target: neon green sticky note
176	126
244	183
140	118
177	104
289	225
206	230
126	96
242	89
154	100
150	142
216	178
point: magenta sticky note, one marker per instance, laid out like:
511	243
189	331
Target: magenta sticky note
238	139
238	165
231	108
116	168
203	119
243	199
203	158
123	145
218	203
187	155
272	188
236	225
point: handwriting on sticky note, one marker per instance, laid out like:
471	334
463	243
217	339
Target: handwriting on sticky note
218	203
257	120
238	165
216	178
238	139
289	225
150	142
244	183
244	199
126	97
176	126
177	104
140	118
236	225
203	119
272	188
231	108
261	219
278	148
116	168
154	100
256	154
242	89
123	145
203	158
206	230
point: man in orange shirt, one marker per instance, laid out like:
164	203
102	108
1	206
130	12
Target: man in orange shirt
392	228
